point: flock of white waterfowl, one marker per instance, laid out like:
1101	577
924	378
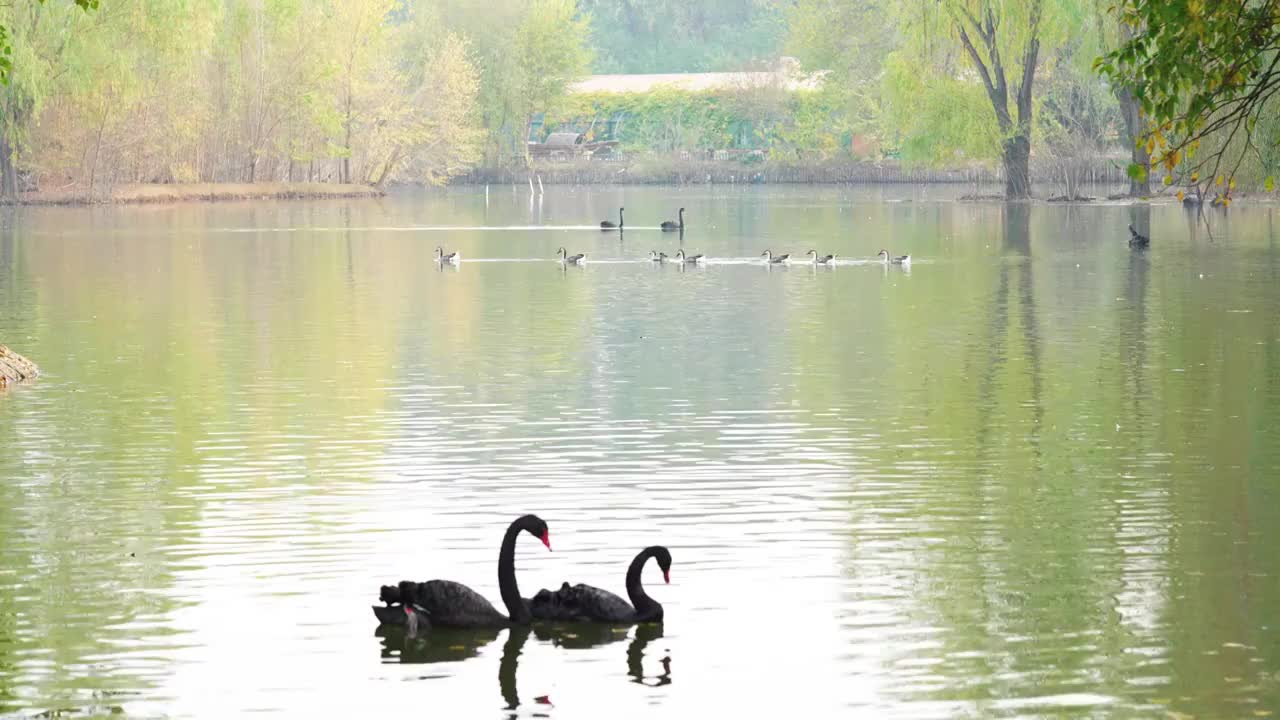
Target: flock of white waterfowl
681	257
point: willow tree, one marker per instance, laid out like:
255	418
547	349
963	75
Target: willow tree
37	38
1001	39
6	47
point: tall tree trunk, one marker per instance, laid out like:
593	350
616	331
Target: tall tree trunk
1134	130
1016	157
344	171
8	173
1016	150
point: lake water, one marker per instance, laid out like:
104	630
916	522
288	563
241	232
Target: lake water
1036	475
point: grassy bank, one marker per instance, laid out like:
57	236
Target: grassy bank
196	192
667	170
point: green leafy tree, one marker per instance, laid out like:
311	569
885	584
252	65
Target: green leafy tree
1001	39
37	38
665	36
526	53
6	49
430	131
552	51
1202	72
850	43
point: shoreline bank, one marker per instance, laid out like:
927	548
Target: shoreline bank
669	170
158	194
140	194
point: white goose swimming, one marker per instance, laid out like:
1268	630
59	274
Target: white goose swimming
568	259
893	260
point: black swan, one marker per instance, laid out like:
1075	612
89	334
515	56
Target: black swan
568	259
606	225
446	603
669	226
585	602
1137	239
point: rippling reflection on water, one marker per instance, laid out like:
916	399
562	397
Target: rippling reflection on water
1035	475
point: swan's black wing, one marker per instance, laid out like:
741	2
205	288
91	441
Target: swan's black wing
555	606
446	603
597	605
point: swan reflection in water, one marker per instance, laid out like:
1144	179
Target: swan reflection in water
579	636
399	645
646	634
436	645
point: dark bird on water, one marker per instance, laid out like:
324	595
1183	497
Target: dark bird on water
592	604
446	603
1137	239
606	225
669	226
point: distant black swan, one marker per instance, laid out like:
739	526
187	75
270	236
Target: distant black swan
584	602
668	225
606	225
1137	239
451	604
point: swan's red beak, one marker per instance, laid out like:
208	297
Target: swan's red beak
546	538
666	576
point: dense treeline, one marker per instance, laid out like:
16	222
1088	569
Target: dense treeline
363	91
663	36
378	91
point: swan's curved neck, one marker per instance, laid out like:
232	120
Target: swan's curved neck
619	217
516	609
646	607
